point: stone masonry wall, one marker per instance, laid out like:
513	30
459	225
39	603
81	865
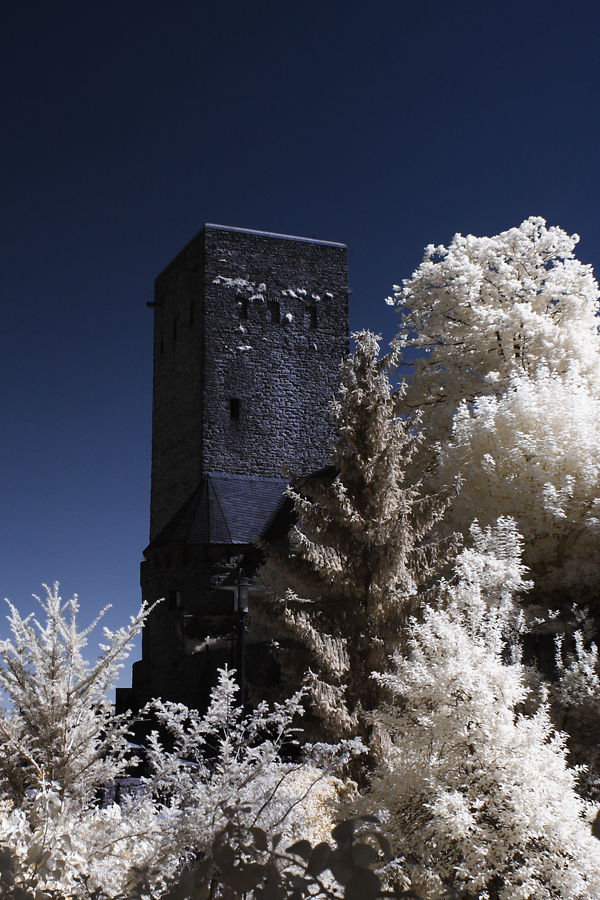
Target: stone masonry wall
276	330
250	329
177	388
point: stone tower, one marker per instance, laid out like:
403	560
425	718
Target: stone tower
249	332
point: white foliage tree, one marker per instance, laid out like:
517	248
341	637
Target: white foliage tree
533	453
51	849
480	797
575	701
483	309
60	730
225	760
508	373
60	743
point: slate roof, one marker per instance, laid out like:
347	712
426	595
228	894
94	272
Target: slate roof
224	509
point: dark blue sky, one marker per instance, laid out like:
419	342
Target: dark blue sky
127	125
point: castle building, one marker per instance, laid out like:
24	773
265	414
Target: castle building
249	332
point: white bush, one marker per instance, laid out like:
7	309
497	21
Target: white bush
479	794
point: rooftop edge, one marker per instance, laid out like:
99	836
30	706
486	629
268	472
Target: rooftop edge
285	237
273	234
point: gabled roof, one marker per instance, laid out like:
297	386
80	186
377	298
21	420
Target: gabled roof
224	509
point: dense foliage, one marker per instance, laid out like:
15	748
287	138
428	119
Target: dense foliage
62	839
507	375
466	786
60	729
485	309
360	552
480	796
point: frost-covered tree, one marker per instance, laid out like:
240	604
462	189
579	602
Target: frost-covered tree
226	760
508	374
60	742
50	848
59	730
360	556
479	794
222	764
484	309
574	698
533	453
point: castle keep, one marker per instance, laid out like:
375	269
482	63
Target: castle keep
249	332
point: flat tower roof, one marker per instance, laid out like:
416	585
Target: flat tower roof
287	237
270	234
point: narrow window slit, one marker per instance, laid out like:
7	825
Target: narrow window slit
234	408
175	599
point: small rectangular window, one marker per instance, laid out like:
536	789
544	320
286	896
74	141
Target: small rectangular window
242	303
273	308
311	315
234	408
175	599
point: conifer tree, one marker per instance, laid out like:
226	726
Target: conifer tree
358	561
60	731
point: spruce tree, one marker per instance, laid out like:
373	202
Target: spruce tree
358	561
